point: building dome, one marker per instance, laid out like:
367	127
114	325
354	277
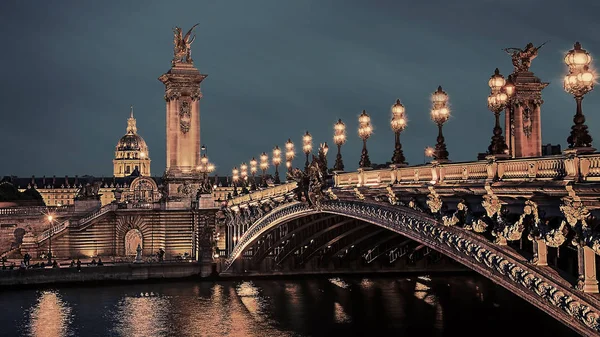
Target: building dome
132	142
131	153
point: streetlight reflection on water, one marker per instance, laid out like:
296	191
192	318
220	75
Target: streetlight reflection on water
50	317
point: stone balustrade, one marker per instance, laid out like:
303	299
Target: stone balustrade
270	192
52	231
35	210
576	168
98	213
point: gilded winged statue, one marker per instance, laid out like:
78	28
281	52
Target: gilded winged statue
521	58
182	52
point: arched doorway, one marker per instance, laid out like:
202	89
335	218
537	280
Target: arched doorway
133	238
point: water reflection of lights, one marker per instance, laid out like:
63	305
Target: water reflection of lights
366	283
252	300
339	282
246	289
143	316
340	314
421	292
50	316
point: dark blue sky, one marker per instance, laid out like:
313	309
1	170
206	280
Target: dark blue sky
71	70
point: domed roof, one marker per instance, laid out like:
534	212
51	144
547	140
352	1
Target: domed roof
132	141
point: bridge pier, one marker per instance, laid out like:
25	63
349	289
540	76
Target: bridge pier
587	270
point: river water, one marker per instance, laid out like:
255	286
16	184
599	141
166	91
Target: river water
466	305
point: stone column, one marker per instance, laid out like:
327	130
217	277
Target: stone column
528	95
540	249
587	270
519	136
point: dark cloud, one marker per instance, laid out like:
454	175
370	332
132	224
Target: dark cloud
276	69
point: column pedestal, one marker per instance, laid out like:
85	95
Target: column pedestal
587	270
540	251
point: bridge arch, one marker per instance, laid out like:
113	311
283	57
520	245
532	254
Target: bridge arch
540	287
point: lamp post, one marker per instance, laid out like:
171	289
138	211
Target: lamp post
289	154
276	162
579	82
264	165
398	124
307	148
429	151
244	176
501	91
204	169
50	232
339	138
235	177
440	114
253	174
364	132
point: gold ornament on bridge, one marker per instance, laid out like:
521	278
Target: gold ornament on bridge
358	195
434	201
182	52
492	205
391	196
331	195
461	209
574	211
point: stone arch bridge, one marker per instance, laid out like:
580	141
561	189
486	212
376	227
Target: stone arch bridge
525	224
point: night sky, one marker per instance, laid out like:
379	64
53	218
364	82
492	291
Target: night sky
71	69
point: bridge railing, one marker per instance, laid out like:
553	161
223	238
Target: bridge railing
270	192
577	168
35	210
104	209
557	167
52	231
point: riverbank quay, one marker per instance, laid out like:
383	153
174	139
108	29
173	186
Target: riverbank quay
116	273
175	271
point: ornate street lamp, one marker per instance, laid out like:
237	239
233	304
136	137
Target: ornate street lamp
364	132
339	138
579	82
204	169
244	176
276	162
264	165
235	177
440	114
398	124
253	173
289	154
50	232
307	148
497	101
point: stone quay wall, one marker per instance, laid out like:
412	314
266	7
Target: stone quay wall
124	273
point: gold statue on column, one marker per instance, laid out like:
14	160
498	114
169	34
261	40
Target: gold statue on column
182	51
521	58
